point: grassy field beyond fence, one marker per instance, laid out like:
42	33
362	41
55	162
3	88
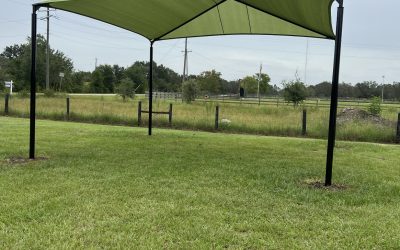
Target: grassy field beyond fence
278	119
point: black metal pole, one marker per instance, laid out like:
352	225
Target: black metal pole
68	106
7	98
217	117
139	114
334	95
170	115
304	127
151	88
33	85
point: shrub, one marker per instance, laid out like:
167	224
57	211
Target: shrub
189	91
23	93
49	93
375	106
126	89
294	92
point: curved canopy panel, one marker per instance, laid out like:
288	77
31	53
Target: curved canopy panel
169	19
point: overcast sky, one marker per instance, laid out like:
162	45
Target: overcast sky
371	45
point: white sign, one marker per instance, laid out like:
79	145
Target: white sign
9	85
62	75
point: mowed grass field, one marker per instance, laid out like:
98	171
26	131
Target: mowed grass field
115	187
281	120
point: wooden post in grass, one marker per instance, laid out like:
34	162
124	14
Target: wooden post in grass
139	116
68	108
7	98
304	130
170	115
216	117
398	129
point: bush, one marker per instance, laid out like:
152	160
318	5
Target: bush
189	91
49	93
23	93
294	92
375	106
126	89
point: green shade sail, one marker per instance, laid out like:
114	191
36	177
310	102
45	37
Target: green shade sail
169	19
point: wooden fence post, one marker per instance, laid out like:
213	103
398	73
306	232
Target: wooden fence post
139	113
216	117
67	108
398	129
304	130
170	115
7	97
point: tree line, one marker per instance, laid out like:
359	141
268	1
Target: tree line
15	66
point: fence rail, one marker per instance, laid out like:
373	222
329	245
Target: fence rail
217	125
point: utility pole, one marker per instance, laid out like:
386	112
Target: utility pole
259	81
95	63
47	19
48	51
383	86
185	62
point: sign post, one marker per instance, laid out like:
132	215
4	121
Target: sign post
9	85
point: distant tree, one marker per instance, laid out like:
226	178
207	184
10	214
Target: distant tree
346	90
16	60
126	89
321	90
367	89
97	85
274	90
109	79
78	81
264	83
138	73
210	82
294	92
189	91
166	79
119	73
249	84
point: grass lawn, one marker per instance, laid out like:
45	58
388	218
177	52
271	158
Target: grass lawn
115	187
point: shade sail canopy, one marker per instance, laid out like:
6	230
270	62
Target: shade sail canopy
169	19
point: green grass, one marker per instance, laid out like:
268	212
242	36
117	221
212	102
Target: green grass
115	187
246	119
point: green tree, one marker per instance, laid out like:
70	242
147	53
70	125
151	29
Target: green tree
138	73
189	90
107	72
210	82
249	84
126	89
96	85
264	83
294	92
16	62
78	81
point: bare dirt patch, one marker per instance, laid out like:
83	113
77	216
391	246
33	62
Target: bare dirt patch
316	184
16	160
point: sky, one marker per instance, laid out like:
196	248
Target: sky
371	45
